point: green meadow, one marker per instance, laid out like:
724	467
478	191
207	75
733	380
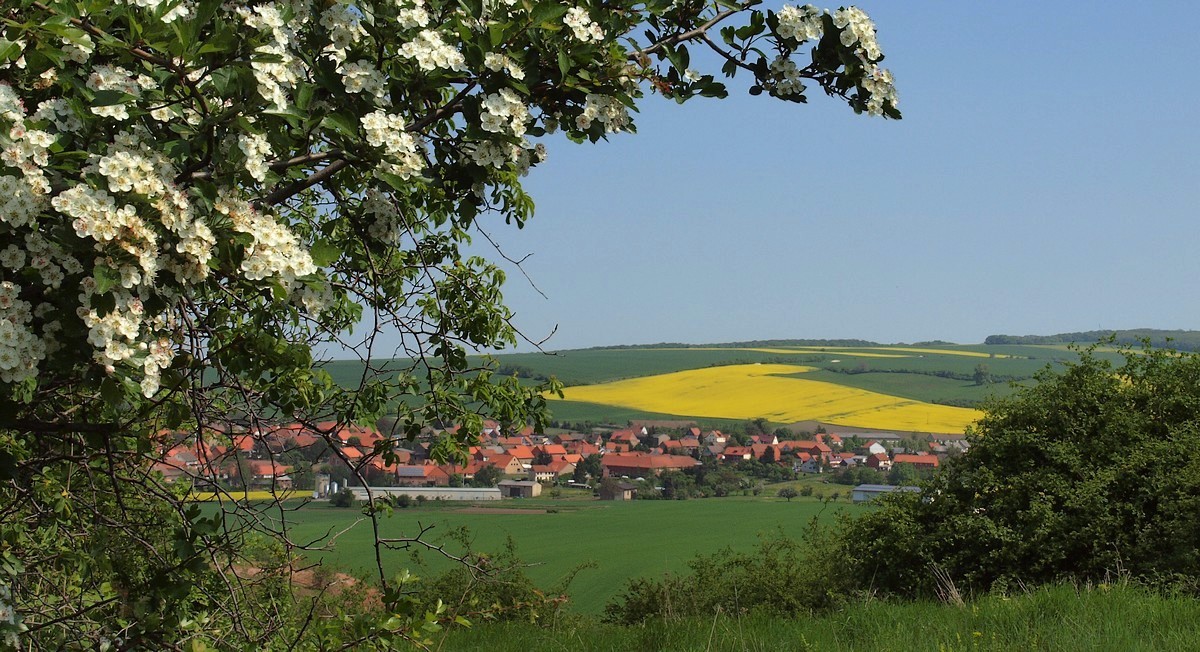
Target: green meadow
618	540
1065	618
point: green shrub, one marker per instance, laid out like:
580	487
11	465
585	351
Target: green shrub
1089	474
343	498
781	576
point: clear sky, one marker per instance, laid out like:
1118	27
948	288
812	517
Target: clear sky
1045	178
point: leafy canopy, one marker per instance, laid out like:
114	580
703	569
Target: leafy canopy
195	193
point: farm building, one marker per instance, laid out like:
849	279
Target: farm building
520	488
618	491
637	465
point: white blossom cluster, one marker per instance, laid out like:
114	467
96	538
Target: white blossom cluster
79	49
275	68
385	225
582	25
20	349
343	24
95	215
606	110
363	77
132	166
180	9
388	132
276	252
116	78
785	77
857	28
26	150
499	155
858	31
504	112
432	53
20	203
493	154
314	298
58	113
879	83
257	151
412	14
800	23
47	258
497	62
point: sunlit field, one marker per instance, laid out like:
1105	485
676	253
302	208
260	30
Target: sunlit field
772	391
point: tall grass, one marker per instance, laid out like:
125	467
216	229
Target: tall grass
1064	617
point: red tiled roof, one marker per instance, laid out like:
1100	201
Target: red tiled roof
920	460
643	461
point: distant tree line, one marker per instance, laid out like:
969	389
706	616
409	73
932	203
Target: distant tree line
681	345
1180	340
520	371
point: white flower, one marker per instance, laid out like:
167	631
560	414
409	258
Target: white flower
800	23
432	53
364	77
504	112
496	61
257	150
581	25
387	132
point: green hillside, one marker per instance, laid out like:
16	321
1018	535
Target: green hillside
933	373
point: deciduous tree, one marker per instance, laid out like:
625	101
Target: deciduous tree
195	193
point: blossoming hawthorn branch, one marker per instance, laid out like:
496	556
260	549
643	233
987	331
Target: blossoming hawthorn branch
195	193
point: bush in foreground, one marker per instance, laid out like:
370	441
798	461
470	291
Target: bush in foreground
1089	474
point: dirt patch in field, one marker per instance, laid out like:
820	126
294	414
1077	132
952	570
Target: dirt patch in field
498	510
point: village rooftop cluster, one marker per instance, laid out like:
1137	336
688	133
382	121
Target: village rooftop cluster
326	455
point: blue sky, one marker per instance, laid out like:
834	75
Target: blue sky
1045	178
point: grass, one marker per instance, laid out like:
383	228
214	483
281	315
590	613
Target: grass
1060	618
780	393
622	540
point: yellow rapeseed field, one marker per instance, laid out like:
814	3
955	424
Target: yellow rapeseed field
768	390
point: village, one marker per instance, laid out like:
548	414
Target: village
644	460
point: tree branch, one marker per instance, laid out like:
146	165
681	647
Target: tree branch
640	55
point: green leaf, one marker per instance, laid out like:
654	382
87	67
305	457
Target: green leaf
547	12
394	181
9	49
496	33
112	391
564	63
106	278
342	124
324	253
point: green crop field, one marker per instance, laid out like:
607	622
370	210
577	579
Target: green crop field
623	540
921	387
